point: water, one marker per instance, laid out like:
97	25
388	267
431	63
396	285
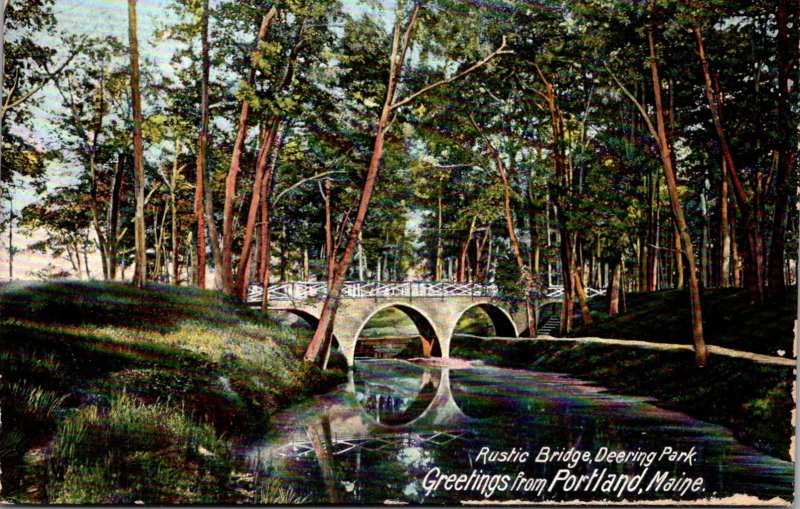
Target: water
395	429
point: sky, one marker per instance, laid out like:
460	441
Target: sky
98	18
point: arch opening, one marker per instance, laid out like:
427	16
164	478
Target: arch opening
397	331
485	319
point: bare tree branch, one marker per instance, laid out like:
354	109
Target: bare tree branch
303	181
51	76
499	51
637	104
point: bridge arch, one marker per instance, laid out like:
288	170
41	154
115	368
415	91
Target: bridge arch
429	334
502	321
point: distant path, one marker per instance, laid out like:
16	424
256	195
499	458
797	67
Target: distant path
718	350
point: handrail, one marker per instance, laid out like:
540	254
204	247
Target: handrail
317	290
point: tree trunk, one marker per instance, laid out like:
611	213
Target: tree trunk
242	272
525	275
750	208
650	245
112	233
138	148
10	237
578	285
678	258
202	146
322	334
786	60
213	232
724	231
329	248
173	183
331	305
563	186
613	289
235	167
462	260
325	325
665	151
265	206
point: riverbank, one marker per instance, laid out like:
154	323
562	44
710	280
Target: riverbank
753	400
729	320
113	394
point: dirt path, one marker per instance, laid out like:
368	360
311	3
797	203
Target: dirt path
718	350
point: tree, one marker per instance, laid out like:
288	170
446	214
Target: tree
138	148
663	139
202	147
91	130
236	162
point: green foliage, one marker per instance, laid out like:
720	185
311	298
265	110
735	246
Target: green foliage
136	451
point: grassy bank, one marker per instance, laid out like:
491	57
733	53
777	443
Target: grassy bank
728	320
752	400
113	394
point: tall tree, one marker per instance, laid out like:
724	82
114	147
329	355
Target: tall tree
786	58
138	148
663	138
202	148
236	161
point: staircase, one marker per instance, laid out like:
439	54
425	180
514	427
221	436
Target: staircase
551	326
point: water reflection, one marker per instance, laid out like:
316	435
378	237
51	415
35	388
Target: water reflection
377	437
401	394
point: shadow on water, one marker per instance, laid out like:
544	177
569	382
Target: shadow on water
381	436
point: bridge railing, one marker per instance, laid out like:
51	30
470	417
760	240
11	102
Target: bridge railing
304	290
557	292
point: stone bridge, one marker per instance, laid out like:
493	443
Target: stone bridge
434	307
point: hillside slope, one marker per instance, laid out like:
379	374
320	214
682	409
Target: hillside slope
728	320
113	394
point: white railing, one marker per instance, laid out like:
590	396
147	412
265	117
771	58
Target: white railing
302	290
557	292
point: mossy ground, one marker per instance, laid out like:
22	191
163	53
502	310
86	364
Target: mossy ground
188	372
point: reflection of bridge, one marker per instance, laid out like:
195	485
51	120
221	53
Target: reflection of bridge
432	407
433	403
342	445
434	307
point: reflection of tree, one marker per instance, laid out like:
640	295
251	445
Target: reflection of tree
321	438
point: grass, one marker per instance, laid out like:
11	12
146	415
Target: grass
108	389
728	320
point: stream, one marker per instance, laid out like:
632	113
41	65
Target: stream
400	432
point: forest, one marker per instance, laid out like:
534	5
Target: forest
631	145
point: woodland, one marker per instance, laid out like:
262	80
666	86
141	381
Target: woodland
633	145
